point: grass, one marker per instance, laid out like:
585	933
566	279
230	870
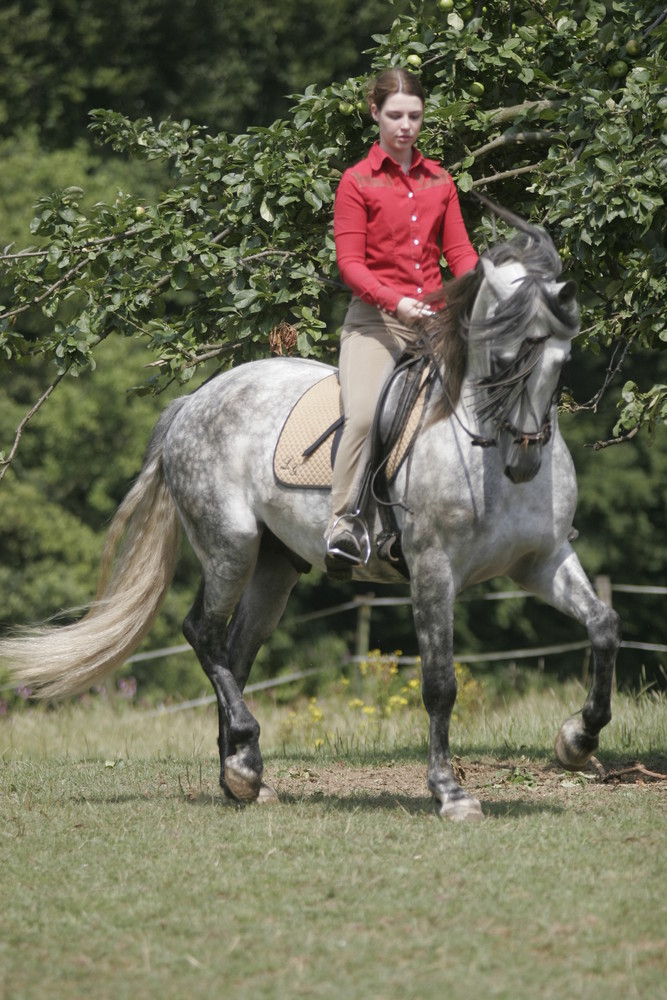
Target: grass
125	874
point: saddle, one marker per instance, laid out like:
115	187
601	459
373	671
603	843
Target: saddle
306	447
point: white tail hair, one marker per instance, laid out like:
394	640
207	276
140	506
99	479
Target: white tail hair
57	661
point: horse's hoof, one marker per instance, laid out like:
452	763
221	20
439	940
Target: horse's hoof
242	782
462	810
268	796
574	748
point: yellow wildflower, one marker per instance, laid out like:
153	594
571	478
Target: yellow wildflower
397	701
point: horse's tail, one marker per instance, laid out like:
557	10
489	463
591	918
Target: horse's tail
138	564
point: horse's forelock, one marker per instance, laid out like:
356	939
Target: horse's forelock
534	250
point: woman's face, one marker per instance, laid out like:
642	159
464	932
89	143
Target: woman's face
400	120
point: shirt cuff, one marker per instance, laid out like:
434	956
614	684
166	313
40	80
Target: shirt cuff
386	299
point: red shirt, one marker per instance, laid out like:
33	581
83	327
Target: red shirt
391	229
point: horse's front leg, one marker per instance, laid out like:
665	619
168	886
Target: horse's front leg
563	583
433	609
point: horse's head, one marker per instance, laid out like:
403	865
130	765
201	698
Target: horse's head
519	334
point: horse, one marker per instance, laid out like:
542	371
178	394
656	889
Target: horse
489	489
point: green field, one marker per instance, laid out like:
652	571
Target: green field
125	873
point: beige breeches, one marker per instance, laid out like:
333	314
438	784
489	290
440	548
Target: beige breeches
370	345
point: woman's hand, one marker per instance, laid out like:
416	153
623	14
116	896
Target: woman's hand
410	311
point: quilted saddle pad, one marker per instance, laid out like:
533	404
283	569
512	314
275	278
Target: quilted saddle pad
312	415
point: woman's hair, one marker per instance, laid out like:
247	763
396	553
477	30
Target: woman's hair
393	81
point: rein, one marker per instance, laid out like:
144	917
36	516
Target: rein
476	439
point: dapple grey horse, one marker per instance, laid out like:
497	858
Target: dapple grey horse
489	489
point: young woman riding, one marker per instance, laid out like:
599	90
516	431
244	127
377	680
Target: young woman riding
396	214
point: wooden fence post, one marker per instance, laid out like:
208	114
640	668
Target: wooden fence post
362	640
363	625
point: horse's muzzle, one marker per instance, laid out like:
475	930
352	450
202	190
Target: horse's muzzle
522	462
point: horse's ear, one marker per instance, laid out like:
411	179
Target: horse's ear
567	291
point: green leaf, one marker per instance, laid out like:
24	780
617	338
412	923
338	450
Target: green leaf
606	164
312	199
179	276
266	212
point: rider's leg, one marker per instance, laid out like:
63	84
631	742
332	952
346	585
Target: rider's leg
371	343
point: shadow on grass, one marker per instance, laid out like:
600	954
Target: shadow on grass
473	753
409	754
387	802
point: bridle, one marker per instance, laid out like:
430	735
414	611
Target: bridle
519	436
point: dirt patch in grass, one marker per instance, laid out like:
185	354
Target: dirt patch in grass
489	780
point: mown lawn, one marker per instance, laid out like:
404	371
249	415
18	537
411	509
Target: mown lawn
125	873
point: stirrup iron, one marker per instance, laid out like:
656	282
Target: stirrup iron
359	529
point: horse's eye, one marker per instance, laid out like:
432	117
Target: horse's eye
502	359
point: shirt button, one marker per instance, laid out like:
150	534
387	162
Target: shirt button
416	267
413	218
416	242
410	194
419	291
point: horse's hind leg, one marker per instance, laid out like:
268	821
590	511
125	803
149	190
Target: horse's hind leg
227	651
563	583
258	612
205	628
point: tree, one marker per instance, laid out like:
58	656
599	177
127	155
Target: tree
529	103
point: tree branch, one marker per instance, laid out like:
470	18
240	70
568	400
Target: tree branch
91	245
211	352
612	371
5	463
511	139
505	174
49	291
621	439
501	115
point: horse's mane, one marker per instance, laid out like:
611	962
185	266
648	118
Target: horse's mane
448	334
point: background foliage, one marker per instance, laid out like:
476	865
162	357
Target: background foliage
177	248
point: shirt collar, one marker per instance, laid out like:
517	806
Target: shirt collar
378	158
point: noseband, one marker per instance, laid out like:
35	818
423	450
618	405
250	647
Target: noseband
524	438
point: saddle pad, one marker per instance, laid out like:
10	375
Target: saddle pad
311	416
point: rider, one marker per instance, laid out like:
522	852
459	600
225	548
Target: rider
396	213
